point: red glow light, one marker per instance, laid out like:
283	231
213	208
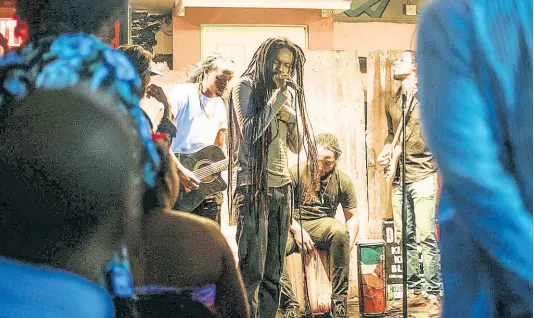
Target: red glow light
8	29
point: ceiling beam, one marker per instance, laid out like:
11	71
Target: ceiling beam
325	13
335	5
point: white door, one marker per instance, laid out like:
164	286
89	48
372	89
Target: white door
240	42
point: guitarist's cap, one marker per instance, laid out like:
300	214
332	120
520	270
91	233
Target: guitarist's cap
330	142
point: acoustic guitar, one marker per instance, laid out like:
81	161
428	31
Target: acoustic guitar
207	165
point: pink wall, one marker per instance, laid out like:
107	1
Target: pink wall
324	33
186	30
371	36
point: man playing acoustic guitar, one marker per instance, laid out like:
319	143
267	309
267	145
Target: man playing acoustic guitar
421	178
200	115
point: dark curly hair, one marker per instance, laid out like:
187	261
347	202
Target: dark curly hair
52	17
140	57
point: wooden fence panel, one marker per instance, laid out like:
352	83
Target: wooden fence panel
335	103
380	88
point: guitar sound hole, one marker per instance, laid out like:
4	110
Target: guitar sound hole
207	179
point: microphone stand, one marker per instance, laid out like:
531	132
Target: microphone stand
307	306
404	214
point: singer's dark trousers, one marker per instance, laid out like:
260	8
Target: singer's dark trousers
261	240
330	235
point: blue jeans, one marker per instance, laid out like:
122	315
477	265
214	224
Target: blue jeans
421	221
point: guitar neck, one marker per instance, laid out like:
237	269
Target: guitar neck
396	137
212	169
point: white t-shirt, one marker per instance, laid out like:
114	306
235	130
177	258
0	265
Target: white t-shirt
197	126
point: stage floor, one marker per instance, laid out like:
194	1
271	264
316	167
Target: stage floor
353	311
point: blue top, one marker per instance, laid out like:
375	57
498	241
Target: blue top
42	292
475	71
65	61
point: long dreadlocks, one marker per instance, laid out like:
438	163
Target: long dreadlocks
260	71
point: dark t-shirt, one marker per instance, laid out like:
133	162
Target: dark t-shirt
336	189
419	160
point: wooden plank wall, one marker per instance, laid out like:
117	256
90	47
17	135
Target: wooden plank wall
335	102
380	88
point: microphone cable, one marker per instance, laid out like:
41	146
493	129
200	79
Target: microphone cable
307	306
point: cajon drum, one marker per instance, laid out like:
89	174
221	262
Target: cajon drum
319	280
372	278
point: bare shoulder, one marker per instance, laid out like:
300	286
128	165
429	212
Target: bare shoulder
196	228
177	242
193	221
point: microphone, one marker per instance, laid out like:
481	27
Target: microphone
293	85
290	83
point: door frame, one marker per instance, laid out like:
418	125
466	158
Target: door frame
306	31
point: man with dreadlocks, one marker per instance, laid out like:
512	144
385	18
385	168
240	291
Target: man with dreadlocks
263	125
200	115
319	227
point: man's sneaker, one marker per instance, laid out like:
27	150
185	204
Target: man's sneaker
414	300
434	308
292	312
338	309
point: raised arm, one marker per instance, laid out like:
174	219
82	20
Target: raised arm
460	127
244	107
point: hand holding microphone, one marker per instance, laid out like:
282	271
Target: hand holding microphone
282	81
293	85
